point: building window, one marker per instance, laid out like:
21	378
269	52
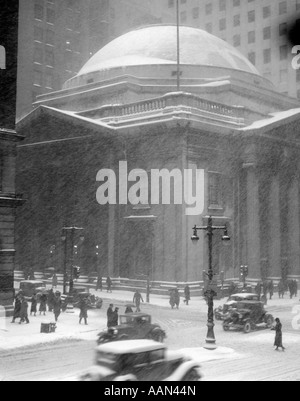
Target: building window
222	24
282	8
267	56
251	16
222	5
196	12
237	20
236	40
267	12
283	29
236	3
283	52
252	58
50	37
50	18
38	55
251	37
37	78
38	11
50	57
171	3
208	8
49	80
214	189
38	34
267	33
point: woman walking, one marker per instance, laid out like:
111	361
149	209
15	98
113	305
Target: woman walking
33	309
278	339
43	305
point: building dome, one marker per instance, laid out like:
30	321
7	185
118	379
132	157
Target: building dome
158	45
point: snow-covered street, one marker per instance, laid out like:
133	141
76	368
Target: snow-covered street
28	355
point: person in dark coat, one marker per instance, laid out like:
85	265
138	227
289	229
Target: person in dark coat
109	284
99	284
281	289
271	289
43	304
57	305
17	310
50	300
172	298
258	290
278	339
187	294
33	309
115	317
110	313
24	311
137	298
83	306
177	298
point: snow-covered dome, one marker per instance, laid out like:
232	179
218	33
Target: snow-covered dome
152	52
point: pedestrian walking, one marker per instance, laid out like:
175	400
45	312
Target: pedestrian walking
278	339
57	305
258	290
24	311
34	302
108	284
110	313
187	294
50	300
43	304
17	310
177	298
54	281
83	306
172	298
271	289
281	289
115	317
137	298
99	284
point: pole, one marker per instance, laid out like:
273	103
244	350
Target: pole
65	266
72	261
210	338
178	46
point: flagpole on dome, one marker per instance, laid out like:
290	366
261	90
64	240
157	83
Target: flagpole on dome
178	45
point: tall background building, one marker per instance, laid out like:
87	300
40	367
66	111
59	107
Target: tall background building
257	28
57	38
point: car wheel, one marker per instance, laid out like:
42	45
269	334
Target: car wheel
158	337
192	376
269	321
247	328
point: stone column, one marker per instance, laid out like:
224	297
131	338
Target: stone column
294	228
111	240
253	230
275	232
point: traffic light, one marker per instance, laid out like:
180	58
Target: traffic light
76	272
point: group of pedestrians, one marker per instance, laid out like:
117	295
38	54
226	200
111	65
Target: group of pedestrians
99	284
175	297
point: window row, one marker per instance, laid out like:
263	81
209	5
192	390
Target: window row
267	55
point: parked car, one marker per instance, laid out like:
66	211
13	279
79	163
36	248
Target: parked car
93	301
221	313
29	288
133	326
140	360
247	316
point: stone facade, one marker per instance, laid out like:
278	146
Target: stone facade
238	130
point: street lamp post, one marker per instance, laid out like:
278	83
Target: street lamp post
244	273
210	293
70	232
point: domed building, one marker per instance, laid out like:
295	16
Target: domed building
137	156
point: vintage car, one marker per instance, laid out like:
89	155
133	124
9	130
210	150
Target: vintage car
247	316
221	313
140	360
29	288
133	326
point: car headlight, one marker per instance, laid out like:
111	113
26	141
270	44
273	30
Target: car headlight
116	332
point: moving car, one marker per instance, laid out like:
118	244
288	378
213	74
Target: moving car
133	326
29	288
221	313
141	360
247	316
